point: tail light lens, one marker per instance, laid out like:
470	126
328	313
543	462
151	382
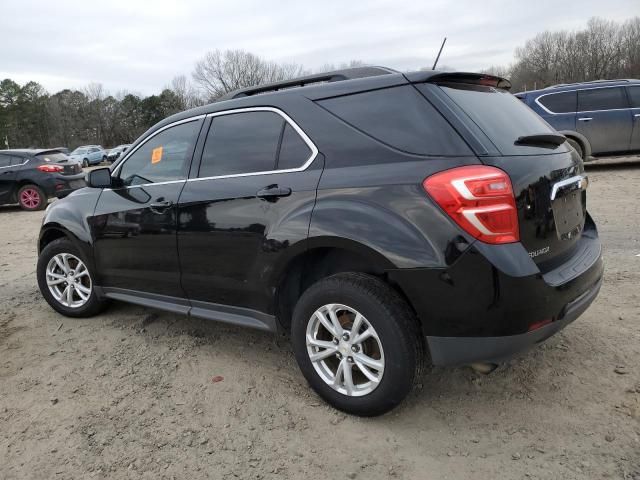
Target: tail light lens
479	199
51	168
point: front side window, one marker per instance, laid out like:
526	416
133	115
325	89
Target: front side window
634	96
162	158
601	99
564	102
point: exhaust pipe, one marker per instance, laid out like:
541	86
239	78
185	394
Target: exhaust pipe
483	367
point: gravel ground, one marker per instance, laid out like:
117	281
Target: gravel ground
129	394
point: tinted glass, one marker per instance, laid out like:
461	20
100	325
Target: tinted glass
500	115
601	99
241	143
634	96
5	160
162	158
294	152
564	102
52	157
401	118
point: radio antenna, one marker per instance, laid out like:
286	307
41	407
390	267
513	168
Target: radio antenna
438	57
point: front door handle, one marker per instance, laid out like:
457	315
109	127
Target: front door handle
161	206
273	192
585	119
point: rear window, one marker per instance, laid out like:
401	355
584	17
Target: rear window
52	157
564	102
601	99
501	116
400	118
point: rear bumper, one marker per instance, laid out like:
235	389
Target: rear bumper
452	351
62	185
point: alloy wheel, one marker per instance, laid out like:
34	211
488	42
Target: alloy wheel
345	350
30	198
68	280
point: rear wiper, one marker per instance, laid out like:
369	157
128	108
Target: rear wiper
547	140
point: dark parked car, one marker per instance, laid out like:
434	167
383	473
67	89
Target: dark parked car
381	218
31	177
115	153
598	118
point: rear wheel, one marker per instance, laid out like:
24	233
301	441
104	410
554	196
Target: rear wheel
65	280
32	197
85	163
576	146
357	343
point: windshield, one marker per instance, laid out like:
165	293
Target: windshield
501	116
79	151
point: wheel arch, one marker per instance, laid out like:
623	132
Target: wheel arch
581	139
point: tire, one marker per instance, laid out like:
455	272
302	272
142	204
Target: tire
104	158
85	163
396	344
576	146
32	198
63	246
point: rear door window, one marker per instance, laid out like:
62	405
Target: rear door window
601	99
501	116
401	118
564	102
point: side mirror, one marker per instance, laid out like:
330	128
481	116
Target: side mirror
99	178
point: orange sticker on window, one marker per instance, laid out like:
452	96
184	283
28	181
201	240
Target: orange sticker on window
156	155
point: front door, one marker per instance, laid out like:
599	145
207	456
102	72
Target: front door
134	226
8	168
604	118
246	209
634	99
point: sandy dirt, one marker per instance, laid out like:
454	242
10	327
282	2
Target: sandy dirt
129	394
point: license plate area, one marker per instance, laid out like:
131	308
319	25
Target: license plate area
568	214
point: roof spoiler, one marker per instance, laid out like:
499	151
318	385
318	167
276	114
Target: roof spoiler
459	77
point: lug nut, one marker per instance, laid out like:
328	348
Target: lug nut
355	348
350	359
339	355
345	336
336	341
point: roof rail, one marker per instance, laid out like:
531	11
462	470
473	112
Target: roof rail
334	76
590	81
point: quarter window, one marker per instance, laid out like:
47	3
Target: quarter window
162	158
601	99
564	102
251	142
634	96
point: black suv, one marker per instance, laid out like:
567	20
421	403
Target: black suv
31	177
381	218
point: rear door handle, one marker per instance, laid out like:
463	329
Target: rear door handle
585	119
160	207
273	191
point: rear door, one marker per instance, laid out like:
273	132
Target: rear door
8	167
605	119
634	99
547	179
247	207
134	225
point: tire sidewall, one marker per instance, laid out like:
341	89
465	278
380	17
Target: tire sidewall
64	245
400	361
577	147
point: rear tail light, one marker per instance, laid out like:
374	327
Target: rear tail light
479	199
51	168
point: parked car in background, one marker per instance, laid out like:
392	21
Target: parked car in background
31	177
89	155
598	118
381	218
115	153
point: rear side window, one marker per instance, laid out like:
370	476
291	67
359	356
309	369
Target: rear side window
241	143
500	115
564	102
401	118
294	152
601	99
634	96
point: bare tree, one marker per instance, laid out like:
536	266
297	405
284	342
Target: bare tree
222	72
186	93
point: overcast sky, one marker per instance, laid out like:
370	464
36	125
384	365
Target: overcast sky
140	46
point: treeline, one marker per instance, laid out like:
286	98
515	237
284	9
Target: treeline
603	50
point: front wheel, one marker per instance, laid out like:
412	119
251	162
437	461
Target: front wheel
66	282
85	163
357	343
